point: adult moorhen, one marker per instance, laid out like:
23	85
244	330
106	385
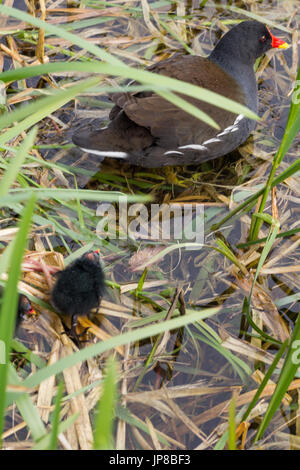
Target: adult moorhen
79	288
148	131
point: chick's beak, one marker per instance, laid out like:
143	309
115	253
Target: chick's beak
31	312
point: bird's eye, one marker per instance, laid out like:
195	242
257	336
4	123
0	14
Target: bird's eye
263	39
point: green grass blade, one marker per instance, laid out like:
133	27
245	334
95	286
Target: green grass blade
141	282
143	76
265	380
103	437
189	108
288	371
225	250
246	205
274	229
28	410
37	111
55	417
15	164
291	130
119	340
231	425
43	443
27	354
255	16
10	300
60	32
62	194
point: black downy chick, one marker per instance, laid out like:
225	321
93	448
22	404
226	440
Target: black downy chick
79	288
24	308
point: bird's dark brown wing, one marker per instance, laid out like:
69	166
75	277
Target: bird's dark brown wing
157	114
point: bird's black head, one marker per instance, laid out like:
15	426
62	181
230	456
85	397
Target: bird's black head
247	41
93	256
25	307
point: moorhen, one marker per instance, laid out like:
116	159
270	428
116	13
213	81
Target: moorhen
148	131
79	288
24	308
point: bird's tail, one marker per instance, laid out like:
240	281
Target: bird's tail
120	139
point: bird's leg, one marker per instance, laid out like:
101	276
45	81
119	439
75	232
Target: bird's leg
99	303
74	320
73	333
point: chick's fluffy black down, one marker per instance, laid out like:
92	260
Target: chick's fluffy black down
79	287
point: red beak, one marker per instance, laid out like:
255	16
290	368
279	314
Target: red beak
278	43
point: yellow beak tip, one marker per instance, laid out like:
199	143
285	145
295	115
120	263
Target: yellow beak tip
285	45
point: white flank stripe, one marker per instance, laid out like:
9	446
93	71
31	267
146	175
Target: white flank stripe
211	141
239	118
103	153
228	130
232	128
193	146
173	151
